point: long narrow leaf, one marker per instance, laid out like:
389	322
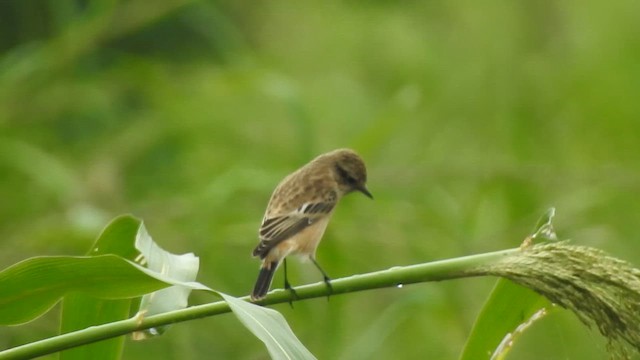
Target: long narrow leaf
31	287
508	307
80	311
270	327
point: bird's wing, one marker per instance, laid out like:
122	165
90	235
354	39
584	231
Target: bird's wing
279	228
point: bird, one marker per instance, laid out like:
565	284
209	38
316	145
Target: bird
299	211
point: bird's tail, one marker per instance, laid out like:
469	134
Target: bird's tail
263	283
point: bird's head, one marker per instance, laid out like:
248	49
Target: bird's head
351	173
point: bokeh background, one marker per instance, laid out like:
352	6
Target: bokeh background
474	117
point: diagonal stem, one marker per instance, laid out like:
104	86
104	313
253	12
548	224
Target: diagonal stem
400	275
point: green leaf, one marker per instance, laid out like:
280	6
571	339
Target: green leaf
31	287
118	238
80	311
270	327
509	306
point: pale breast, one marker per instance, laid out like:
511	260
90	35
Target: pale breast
303	243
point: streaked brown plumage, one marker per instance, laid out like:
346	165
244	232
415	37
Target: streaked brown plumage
300	208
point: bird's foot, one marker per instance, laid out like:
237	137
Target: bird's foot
294	294
327	280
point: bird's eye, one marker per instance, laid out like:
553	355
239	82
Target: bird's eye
346	176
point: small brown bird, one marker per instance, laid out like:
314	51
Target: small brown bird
300	209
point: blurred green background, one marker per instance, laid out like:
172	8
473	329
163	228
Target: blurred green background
473	116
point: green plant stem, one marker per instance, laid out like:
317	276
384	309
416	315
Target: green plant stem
395	276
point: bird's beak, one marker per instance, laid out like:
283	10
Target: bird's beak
363	189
